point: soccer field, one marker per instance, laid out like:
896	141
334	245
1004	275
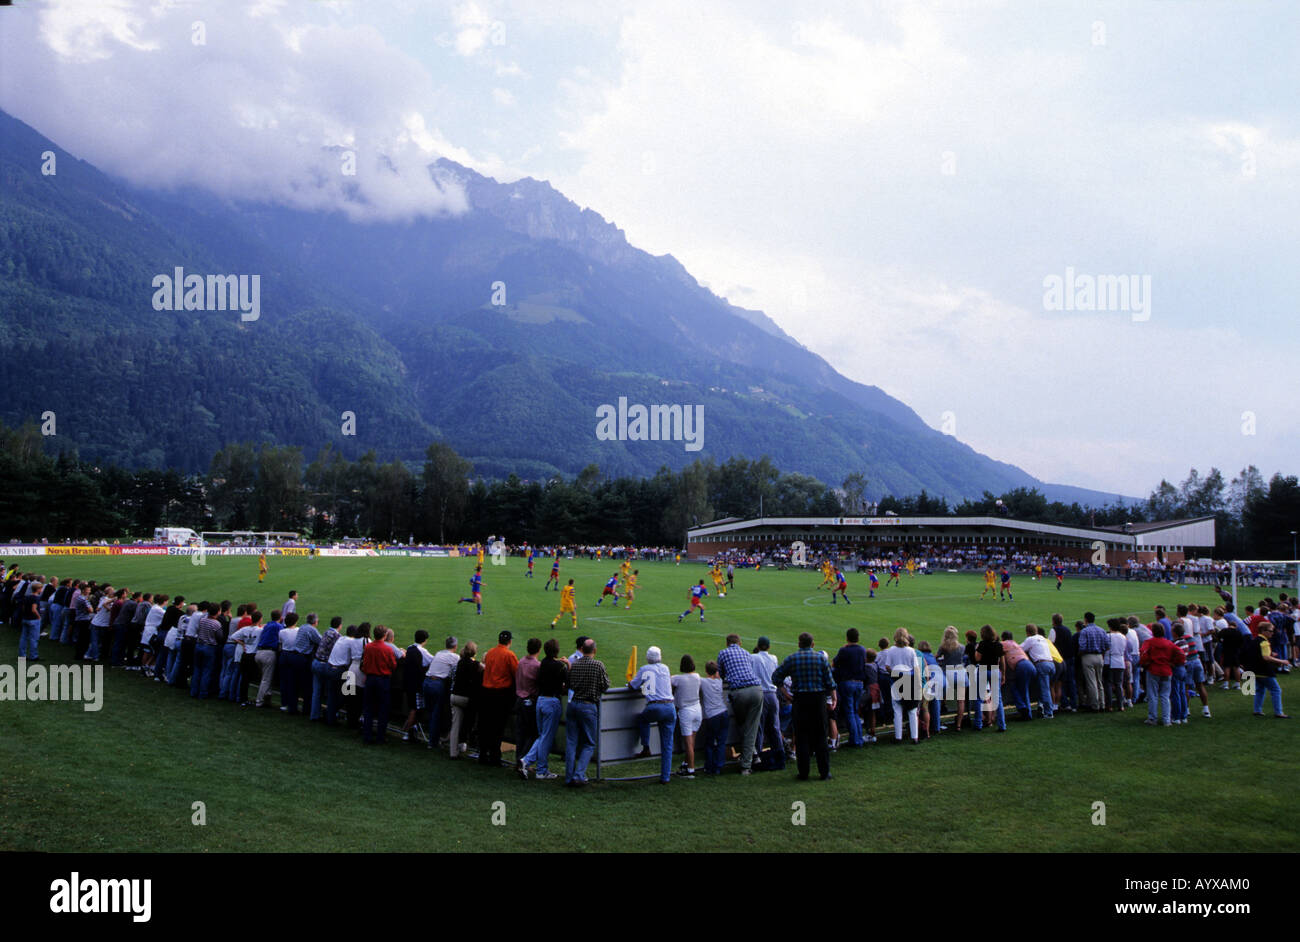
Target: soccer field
127	777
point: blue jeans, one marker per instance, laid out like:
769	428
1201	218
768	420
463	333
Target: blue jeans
437	700
663	715
173	665
96	638
324	680
1158	698
850	698
119	643
1178	693
580	740
229	671
1275	693
1023	678
995	686
548	721
769	730
29	638
291	663
1046	671
206	659
56	622
715	741
378	703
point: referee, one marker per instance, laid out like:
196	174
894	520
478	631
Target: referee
812	685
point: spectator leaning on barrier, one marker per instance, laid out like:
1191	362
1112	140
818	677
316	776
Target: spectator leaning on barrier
588	682
745	696
499	666
811	683
656	680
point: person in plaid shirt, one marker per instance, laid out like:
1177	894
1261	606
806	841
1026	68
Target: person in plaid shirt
812	683
588	681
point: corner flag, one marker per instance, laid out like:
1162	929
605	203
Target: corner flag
631	665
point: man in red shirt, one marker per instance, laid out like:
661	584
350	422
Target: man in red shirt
377	663
1159	656
499	666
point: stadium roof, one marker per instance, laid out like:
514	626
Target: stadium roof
1197	531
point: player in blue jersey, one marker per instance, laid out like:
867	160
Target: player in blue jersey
698	592
841	587
475	590
893	574
611	588
555	573
1006	586
875	582
532	555
1060	575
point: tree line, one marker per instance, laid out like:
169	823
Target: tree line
273	487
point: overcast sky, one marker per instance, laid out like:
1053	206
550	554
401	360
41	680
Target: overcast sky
892	183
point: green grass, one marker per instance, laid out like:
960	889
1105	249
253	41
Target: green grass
125	778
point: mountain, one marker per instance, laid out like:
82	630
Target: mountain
395	322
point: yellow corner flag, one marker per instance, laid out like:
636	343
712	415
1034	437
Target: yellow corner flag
631	665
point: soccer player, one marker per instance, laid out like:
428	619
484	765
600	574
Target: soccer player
893	574
566	604
555	573
624	568
532	554
475	590
677	559
1060	574
716	575
611	588
480	555
1006	586
697	601
630	591
731	575
875	582
261	566
828	575
989	582
1038	573
911	566
841	587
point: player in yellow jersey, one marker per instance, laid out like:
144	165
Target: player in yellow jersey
566	605
990	582
718	580
911	566
261	566
828	574
480	555
629	589
624	568
1038	573
677	559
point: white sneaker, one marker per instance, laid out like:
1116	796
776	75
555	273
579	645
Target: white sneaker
1205	712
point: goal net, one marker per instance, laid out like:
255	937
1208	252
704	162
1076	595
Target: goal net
1253	576
263	538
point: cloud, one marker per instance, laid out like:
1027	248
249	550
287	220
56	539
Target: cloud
891	184
253	106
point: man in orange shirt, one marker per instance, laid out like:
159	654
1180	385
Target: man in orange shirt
499	666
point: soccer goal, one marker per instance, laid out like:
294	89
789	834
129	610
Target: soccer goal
260	538
1256	574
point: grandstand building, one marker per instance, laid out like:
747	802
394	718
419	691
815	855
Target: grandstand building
1169	542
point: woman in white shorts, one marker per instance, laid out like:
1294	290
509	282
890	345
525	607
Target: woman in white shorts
690	715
